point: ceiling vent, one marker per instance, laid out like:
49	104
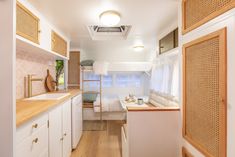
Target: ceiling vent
109	33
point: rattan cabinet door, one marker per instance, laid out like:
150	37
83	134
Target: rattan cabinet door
197	12
58	44
27	24
204	93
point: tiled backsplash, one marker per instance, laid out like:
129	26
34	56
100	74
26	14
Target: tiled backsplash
32	63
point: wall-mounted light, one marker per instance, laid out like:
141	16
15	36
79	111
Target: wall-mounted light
138	47
110	18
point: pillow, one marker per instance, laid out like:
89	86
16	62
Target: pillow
87	63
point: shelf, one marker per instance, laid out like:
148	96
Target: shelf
30	47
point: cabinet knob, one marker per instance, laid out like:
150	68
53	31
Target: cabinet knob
35	140
35	126
62	139
65	134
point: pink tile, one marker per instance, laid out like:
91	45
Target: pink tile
32	63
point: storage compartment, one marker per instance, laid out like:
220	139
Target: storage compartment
58	44
204	93
27	24
170	41
35	145
31	127
76	120
195	12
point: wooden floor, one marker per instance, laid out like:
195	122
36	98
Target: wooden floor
105	143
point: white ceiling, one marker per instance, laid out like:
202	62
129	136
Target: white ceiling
147	17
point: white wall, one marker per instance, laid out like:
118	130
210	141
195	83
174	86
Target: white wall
118	50
225	20
7	79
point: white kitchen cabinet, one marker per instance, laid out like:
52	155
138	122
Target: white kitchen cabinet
55	132
76	120
34	32
67	147
32	138
151	134
60	130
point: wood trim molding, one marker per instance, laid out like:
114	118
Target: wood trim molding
186	153
223	91
140	109
204	20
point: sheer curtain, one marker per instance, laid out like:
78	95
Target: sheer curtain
165	76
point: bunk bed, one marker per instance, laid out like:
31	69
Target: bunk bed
96	104
89	97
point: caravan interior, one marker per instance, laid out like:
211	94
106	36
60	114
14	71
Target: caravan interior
117	78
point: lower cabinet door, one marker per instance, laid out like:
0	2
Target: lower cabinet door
34	145
55	133
67	143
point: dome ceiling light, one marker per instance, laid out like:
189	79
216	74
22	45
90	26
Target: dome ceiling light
110	18
138	47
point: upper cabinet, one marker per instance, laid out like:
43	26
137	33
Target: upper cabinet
27	24
168	42
196	13
36	35
58	44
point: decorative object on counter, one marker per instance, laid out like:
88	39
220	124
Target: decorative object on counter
131	98
50	82
140	101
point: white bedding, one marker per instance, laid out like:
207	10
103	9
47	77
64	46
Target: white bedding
109	104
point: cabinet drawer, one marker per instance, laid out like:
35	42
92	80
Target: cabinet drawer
27	24
34	145
31	127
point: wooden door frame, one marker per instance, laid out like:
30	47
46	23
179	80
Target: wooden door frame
222	86
79	82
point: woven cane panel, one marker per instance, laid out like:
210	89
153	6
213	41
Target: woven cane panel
202	93
196	11
59	45
27	25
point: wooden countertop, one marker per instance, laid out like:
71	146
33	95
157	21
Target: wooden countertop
28	109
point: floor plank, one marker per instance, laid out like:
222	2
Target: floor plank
105	143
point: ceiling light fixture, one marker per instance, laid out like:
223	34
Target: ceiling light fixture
139	47
110	18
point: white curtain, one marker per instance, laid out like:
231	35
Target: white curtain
165	76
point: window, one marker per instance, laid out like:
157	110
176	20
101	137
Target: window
128	80
165	77
60	72
107	81
114	80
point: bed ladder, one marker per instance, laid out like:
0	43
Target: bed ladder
89	105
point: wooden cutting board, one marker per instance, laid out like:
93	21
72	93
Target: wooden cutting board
50	82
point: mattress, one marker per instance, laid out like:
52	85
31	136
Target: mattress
110	103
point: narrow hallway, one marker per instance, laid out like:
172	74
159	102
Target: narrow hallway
105	143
